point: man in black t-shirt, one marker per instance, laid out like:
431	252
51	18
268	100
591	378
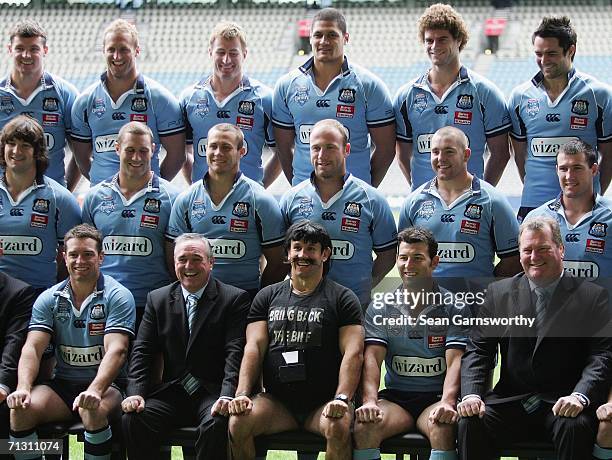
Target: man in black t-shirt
305	336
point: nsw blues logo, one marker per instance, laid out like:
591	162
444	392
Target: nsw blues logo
302	94
420	102
305	207
202	107
426	210
533	107
6	105
198	209
99	107
108	205
465	101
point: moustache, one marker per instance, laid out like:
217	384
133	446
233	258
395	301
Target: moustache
307	260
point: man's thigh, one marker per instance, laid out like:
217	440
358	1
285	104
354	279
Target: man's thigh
167	409
269	416
510	422
46	405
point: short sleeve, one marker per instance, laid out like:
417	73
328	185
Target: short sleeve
375	331
281	115
495	116
122	312
269	220
403	128
519	130
405	219
69	213
379	110
349	308
168	114
260	305
384	231
505	227
42	313
80	129
179	218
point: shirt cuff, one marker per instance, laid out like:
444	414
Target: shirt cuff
470	396
5	388
582	397
227	398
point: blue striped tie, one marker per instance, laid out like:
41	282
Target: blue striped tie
540	307
192	309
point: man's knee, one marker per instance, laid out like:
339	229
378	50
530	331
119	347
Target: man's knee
367	435
604	434
215	426
338	430
583	426
240	426
441	435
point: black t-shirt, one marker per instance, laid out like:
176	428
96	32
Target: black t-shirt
309	325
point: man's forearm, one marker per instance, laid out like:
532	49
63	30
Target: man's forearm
371	379
29	363
350	373
109	369
249	371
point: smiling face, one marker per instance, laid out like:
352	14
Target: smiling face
28	54
328	152
222	152
120	51
575	175
327	41
307	259
135	152
19	156
551	59
541	258
441	48
228	56
192	264
83	260
449	157
414	264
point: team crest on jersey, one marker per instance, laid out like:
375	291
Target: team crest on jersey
473	211
198	209
426	210
533	107
152	205
598	229
50	104
465	101
6	105
97	311
108	205
301	95
139	104
99	107
580	107
420	102
246	107
202	107
353	209
346	95
241	209
41	206
305	207
62	313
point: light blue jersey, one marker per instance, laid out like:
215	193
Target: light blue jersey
50	104
472	104
415	359
475	227
97	119
32	227
356	98
588	247
78	335
358	220
133	232
582	111
246	221
249	108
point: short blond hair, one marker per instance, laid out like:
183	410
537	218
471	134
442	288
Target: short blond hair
121	26
228	31
229	128
134	127
333	124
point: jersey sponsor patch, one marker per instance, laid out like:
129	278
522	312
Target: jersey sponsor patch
350	225
305	133
41	205
581	269
228	249
149	221
345	111
549	146
579	122
456	252
39	221
470	227
424	143
245	122
412	366
596	246
81	356
118	245
463	118
105	143
436	341
15	245
342	250
239	225
96	328
50	119
141	117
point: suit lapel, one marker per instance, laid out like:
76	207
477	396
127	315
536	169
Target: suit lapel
177	312
206	304
557	304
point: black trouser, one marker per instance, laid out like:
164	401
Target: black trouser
169	409
479	439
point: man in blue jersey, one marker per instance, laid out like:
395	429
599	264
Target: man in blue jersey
327	86
228	95
356	216
132	210
89	317
585	218
469	218
30	90
557	105
423	361
123	95
449	94
35	211
241	219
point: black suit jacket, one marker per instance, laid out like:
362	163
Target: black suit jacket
212	352
570	354
16	300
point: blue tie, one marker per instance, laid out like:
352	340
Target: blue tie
540	307
192	309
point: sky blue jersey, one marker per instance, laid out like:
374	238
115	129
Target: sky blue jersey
472	104
358	220
246	221
475	227
78	335
582	111
97	119
133	233
50	104
249	108
32	227
356	98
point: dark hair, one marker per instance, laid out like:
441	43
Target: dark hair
577	147
559	28
26	129
412	235
83	231
28	28
330	14
309	232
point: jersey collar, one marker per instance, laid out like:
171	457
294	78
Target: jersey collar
538	78
431	187
423	82
139	85
556	206
46	82
39	181
151	186
245	83
308	66
64	290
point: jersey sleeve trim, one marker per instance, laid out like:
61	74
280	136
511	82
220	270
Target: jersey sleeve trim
402	138
376	341
78	138
272	243
456	345
382	247
507	253
119	329
280	124
170	132
40	327
499	130
382	122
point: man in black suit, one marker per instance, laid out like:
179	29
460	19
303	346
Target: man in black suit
198	325
16	300
554	374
